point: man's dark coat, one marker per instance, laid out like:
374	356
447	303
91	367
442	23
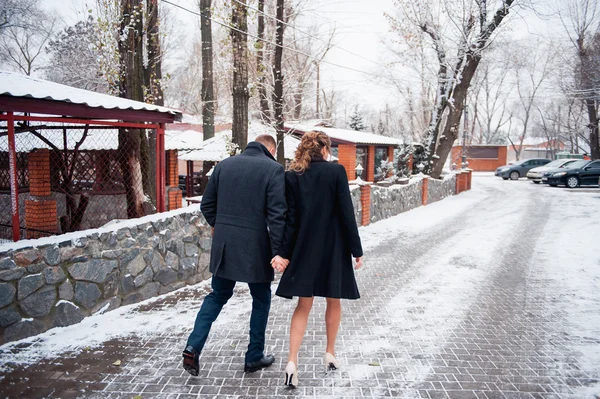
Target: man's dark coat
245	202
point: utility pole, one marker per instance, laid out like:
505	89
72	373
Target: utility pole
318	89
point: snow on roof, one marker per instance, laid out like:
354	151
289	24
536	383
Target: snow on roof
17	85
216	148
183	140
351	136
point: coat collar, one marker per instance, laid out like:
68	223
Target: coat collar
317	158
255	148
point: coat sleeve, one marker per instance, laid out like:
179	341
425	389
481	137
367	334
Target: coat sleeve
346	209
291	231
209	198
276	209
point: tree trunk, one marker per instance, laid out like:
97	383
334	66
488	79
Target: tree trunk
154	84
593	126
208	97
133	145
239	38
451	128
265	111
278	80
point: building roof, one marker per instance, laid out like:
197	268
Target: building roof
183	140
341	136
104	139
15	85
218	148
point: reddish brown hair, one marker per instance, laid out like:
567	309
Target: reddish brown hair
310	147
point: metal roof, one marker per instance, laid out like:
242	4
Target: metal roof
343	135
17	85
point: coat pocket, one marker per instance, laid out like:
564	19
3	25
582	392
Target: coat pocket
217	253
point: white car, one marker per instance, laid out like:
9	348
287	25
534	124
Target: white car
535	174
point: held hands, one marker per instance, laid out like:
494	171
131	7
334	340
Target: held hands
279	264
358	263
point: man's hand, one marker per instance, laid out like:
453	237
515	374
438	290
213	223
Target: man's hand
358	263
279	264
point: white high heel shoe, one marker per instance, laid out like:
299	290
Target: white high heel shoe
291	375
331	363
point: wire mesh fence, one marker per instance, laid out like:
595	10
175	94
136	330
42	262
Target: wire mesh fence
73	178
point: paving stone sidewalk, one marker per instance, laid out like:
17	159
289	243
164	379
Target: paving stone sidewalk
495	334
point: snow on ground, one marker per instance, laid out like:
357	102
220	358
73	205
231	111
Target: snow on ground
125	321
442	285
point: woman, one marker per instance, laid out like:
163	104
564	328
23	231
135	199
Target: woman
320	239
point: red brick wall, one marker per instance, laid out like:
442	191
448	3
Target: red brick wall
391	153
481	165
174	199
365	201
371	163
172	168
40	215
425	190
347	157
39	172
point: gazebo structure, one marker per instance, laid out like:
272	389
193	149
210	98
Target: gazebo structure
73	159
352	148
221	147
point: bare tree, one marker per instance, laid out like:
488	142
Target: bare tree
458	33
531	72
208	96
21	43
239	41
278	80
581	20
489	98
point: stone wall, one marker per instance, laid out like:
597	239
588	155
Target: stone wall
440	189
355	193
390	201
58	284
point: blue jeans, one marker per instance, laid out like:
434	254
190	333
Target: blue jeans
214	302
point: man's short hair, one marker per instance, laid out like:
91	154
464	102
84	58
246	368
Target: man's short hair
266	140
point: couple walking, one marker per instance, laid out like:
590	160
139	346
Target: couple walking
300	222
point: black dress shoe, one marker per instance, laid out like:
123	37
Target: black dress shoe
190	360
266	361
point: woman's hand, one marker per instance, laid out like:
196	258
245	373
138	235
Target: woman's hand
358	263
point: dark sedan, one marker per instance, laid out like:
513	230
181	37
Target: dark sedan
578	173
519	168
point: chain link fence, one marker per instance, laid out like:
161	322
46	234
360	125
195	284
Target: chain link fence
74	178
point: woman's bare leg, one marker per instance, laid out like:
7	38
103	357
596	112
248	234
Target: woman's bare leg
333	315
298	327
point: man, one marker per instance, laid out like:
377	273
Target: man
244	202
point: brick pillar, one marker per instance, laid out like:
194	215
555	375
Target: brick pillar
40	210
174	199
391	153
465	180
347	158
411	160
172	168
469	178
457	176
365	201
370	163
425	190
174	194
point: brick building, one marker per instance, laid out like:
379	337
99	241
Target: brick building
352	148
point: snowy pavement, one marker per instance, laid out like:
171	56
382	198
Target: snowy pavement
489	294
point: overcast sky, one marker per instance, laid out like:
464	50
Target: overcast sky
360	29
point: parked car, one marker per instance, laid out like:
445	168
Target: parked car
578	173
536	174
519	168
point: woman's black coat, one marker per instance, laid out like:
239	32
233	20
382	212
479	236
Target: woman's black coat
321	235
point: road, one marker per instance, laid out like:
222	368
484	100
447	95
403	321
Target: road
490	294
